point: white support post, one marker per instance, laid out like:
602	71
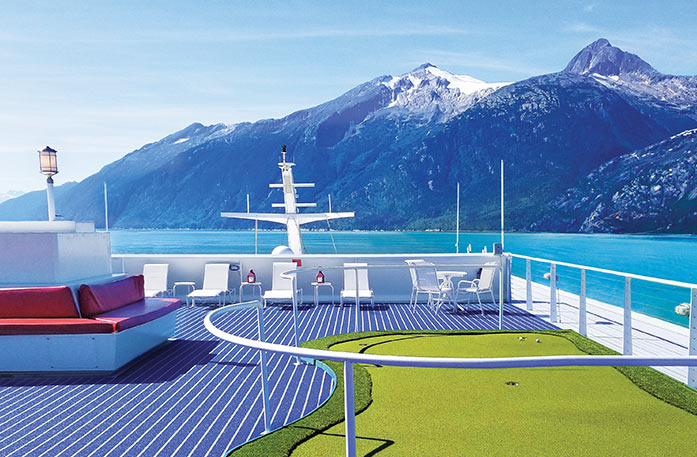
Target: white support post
627	316
501	298
502	204
349	410
528	285
264	373
692	371
294	296
553	317
50	199
457	223
359	327
106	210
582	316
256	236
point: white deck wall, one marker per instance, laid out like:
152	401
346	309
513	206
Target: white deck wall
390	286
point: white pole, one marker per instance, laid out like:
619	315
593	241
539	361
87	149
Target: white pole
349	410
528	285
692	371
582	316
457	224
256	235
553	317
247	202
501	204
264	373
50	200
330	202
106	210
627	325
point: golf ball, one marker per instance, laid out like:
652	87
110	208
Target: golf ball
537	340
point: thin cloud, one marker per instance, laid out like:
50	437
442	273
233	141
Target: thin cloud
227	35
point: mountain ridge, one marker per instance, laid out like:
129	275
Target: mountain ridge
393	149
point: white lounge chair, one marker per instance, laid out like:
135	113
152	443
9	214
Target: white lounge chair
484	284
215	284
281	287
349	290
155	275
424	279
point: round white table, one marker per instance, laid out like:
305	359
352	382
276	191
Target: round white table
447	276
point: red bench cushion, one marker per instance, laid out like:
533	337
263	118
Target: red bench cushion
139	312
53	326
100	298
37	302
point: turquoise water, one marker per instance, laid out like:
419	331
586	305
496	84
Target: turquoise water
670	257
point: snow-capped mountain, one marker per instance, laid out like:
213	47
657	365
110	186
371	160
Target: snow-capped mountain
434	94
650	190
393	149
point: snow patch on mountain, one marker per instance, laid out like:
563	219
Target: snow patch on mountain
430	92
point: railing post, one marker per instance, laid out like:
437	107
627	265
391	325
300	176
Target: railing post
349	412
294	296
553	294
627	316
358	302
500	298
264	374
528	285
692	371
582	317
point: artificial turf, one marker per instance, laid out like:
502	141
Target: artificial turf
551	411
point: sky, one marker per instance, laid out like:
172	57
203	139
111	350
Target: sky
96	80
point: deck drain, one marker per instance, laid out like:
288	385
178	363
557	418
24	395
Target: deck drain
511	383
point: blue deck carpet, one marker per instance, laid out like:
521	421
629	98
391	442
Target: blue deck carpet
197	395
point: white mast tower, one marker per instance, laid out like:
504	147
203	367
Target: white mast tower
291	219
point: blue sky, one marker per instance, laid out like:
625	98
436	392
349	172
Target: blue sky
96	80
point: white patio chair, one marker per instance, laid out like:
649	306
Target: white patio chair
282	288
425	281
215	284
349	290
155	275
484	284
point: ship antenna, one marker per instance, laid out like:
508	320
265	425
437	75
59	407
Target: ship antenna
283	151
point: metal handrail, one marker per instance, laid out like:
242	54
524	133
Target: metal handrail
349	358
627	338
668	282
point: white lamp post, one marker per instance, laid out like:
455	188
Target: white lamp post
49	167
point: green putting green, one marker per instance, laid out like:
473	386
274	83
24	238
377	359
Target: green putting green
507	412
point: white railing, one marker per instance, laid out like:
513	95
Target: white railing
627	308
349	358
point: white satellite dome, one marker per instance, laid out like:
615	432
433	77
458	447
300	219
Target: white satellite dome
282	250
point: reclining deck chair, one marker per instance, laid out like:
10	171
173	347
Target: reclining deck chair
282	287
349	290
215	284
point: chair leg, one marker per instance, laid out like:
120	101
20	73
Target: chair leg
481	308
341	300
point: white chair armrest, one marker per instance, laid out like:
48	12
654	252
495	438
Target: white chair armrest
465	281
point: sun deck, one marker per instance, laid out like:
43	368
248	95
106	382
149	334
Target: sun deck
197	395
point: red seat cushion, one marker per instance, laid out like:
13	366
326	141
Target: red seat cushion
37	302
100	298
139	312
53	326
